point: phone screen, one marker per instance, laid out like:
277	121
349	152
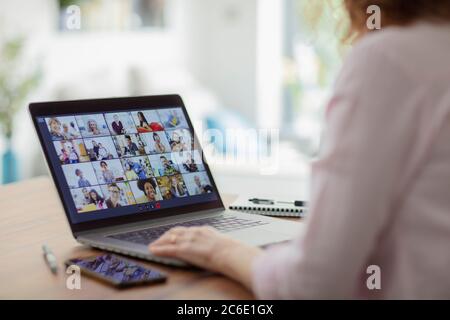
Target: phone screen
117	270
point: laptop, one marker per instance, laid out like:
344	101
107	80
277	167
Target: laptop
129	169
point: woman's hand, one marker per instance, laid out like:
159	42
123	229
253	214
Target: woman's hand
205	247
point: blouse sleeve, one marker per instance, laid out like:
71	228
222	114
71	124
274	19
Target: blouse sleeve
368	140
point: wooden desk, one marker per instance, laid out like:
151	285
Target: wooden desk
31	215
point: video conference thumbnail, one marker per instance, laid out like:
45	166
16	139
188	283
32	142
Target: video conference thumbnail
94	198
100	148
146	190
120	123
117	159
198	183
137	168
63	128
172	186
156	142
71	151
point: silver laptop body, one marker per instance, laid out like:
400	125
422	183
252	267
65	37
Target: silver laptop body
106	234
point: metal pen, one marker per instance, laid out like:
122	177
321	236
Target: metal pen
50	259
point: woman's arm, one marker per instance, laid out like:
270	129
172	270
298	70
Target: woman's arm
357	182
207	248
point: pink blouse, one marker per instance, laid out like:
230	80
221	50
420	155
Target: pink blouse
380	191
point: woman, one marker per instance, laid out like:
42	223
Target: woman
148	187
107	175
97	199
143	124
55	129
64	156
159	147
380	189
129	172
93	128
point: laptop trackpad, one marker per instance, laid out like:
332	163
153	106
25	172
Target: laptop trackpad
259	236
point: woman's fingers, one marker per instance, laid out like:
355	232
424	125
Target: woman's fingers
190	244
182	233
170	236
166	250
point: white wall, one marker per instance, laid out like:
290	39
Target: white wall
220	43
234	47
228	47
24	16
83	65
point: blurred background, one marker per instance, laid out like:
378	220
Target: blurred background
236	63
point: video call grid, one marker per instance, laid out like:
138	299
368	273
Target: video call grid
160	181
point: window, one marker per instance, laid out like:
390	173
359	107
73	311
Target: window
312	58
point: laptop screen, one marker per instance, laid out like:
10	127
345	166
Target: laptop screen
113	164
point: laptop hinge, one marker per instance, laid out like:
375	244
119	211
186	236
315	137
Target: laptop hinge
156	222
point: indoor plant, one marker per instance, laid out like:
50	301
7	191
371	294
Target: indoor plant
15	85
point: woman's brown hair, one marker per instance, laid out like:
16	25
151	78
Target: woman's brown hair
395	12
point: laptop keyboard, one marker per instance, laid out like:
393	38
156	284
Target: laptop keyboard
223	224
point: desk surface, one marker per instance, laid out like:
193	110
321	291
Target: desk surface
31	214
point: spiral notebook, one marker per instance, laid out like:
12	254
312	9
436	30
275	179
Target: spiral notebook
274	210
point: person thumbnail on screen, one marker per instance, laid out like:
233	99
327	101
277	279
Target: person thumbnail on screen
173	118
163	165
120	123
172	186
137	168
156	142
109	171
130	145
180	140
188	161
197	183
100	148
146	190
147	121
79	175
63	128
88	199
118	194
92	125
71	151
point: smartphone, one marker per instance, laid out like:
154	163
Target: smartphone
117	271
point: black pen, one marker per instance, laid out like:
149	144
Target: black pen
50	259
297	203
261	201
